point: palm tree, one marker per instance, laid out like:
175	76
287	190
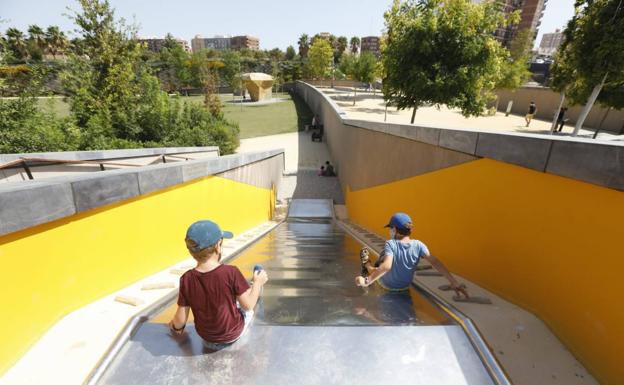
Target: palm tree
355	44
17	43
37	40
56	40
304	45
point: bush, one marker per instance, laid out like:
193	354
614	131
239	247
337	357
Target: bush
23	128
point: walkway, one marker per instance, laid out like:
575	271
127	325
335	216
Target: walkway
372	107
303	160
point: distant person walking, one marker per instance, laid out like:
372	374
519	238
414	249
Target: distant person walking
561	118
531	113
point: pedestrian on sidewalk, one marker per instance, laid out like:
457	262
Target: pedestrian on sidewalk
561	118
221	299
531	113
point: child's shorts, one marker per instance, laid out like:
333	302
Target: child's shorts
247	317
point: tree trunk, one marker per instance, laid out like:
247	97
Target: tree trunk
554	123
601	122
386	112
354	93
588	106
414	114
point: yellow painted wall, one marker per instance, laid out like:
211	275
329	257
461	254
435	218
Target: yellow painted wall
52	269
549	244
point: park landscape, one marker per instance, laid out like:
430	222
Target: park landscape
112	143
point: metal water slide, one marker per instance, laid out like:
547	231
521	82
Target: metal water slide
312	325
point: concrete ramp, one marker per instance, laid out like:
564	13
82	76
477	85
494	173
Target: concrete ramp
311	208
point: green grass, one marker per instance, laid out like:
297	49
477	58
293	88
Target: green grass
269	119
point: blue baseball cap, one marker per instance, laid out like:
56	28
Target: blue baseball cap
401	221
205	234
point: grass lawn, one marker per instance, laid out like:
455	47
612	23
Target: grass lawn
261	120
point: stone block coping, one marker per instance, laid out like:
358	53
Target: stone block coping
108	154
592	161
28	203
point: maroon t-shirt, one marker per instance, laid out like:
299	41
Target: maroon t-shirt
212	297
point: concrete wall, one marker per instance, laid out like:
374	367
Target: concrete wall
412	150
29	203
121	158
67	241
534	218
547	102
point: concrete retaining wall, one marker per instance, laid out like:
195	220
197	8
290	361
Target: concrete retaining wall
547	102
26	204
372	153
129	158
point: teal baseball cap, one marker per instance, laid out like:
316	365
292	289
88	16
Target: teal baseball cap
205	234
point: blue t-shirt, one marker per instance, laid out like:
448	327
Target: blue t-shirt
405	257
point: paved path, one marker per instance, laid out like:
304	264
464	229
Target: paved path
372	107
303	159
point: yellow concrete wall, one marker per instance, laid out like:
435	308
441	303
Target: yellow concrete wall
52	269
549	244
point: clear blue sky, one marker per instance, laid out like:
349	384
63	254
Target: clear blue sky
278	23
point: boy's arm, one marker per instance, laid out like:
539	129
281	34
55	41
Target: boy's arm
439	266
178	322
377	273
249	298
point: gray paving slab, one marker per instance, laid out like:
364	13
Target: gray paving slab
154	178
34	204
593	163
520	150
104	189
464	141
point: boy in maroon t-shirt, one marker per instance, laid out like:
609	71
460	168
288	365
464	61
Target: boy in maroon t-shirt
212	290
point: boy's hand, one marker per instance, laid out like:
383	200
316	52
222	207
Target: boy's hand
173	330
260	277
460	290
360	281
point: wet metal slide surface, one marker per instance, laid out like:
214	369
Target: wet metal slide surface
312	326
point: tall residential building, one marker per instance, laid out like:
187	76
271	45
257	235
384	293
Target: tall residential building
371	44
217	42
245	41
531	12
157	44
550	43
220	42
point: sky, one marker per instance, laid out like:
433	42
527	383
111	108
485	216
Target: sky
277	23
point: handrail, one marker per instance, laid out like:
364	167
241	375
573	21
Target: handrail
23	161
47	160
491	364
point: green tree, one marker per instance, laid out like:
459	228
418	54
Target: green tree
304	45
231	71
56	41
591	56
442	53
515	71
355	44
320	58
290	53
37	44
341	46
16	42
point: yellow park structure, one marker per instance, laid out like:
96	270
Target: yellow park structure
259	85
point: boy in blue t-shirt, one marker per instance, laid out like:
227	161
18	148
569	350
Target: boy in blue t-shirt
400	256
